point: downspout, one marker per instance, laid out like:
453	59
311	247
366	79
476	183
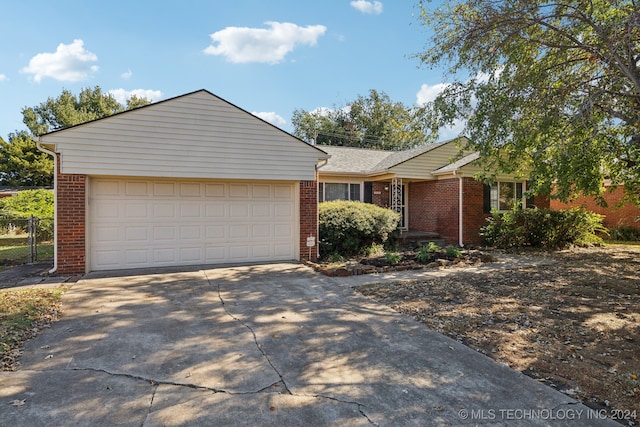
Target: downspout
55	204
460	212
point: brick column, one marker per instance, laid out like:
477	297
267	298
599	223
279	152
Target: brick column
71	211
308	218
474	216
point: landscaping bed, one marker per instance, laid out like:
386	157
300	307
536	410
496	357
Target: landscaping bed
573	324
401	261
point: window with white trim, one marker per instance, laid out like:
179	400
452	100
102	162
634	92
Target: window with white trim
328	191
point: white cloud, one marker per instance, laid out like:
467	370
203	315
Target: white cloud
3	77
374	7
122	95
70	63
428	93
126	75
243	45
271	117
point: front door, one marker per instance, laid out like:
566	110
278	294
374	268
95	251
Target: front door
398	202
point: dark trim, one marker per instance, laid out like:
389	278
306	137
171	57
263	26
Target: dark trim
368	192
486	198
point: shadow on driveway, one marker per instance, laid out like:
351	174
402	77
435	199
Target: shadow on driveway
258	345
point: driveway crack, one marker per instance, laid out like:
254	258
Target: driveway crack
349	402
255	338
153	396
153	382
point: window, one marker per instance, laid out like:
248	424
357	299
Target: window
328	191
504	195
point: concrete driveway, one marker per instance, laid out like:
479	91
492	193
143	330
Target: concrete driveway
259	345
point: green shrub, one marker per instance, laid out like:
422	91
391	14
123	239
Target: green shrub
392	257
625	233
349	227
543	228
375	249
425	253
27	203
453	252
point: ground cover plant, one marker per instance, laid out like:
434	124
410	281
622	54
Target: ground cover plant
23	313
573	323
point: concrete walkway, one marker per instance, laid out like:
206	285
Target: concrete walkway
261	345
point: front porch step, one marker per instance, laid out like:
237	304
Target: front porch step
416	239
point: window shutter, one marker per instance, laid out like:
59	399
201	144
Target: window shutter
530	203
368	192
486	197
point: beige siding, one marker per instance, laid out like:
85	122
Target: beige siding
194	136
420	167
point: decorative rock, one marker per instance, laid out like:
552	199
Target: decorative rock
342	272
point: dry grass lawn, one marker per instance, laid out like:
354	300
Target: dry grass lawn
574	324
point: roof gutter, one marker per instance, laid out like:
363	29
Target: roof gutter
40	147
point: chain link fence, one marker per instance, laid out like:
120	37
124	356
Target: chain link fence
25	240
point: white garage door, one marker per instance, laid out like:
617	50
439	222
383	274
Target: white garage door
137	223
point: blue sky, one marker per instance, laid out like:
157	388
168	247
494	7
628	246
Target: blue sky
268	57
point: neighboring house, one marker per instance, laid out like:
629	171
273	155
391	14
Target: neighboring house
615	213
433	192
186	181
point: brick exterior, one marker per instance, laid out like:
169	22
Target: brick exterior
541	202
473	211
433	206
71	211
614	215
380	194
308	218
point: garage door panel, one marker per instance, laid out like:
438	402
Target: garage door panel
106	210
136	257
191	255
217	210
239	191
190	210
136	234
164	232
164	210
107	235
164	255
190	232
282	250
136	210
146	223
136	189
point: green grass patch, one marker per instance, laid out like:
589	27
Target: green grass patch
13	241
23	313
20	254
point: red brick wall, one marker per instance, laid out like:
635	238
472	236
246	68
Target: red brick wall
71	222
473	211
308	218
433	206
380	196
614	215
421	216
541	202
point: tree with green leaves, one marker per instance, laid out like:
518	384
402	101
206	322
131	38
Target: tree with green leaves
21	163
374	121
547	89
69	110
